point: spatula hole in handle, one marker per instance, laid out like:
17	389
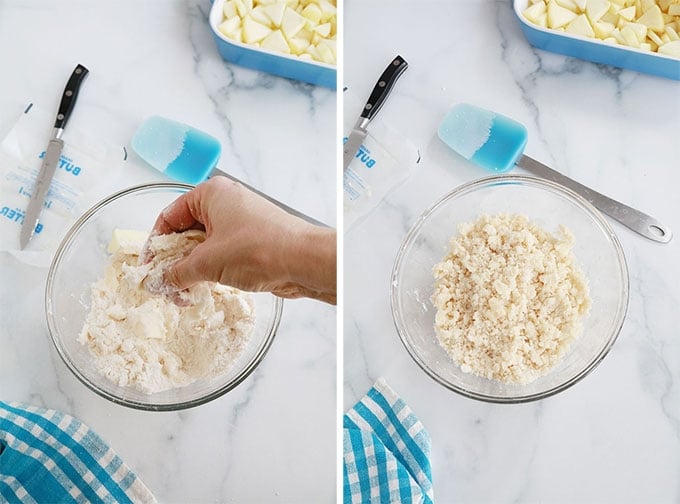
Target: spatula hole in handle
659	232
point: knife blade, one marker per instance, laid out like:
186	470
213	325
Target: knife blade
375	101
52	155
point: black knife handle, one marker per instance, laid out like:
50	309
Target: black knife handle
68	99
383	87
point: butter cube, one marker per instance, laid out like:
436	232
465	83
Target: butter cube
147	322
129	240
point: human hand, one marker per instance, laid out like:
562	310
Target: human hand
251	244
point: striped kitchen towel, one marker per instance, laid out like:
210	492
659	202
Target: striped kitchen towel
47	456
386	451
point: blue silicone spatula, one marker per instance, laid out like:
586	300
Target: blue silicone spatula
496	142
188	155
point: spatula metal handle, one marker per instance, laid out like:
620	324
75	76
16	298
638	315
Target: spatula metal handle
633	219
279	204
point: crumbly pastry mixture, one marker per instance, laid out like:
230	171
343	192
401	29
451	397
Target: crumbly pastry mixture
148	341
509	298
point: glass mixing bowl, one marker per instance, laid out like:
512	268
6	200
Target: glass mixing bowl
81	259
597	250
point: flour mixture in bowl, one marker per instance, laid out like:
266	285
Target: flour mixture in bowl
496	279
159	342
509	298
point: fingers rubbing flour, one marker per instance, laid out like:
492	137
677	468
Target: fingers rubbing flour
144	334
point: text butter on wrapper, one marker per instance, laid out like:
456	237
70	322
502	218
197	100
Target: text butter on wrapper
384	160
85	164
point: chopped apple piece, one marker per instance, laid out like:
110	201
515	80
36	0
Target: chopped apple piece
312	12
305	34
328	10
240	8
305	28
568	4
298	45
602	29
254	31
580	26
628	13
671	48
291	23
652	19
672	34
275	12
229	9
325	54
324	30
558	16
595	9
645	5
259	15
655	38
643	24
275	41
611	16
230	26
629	37
534	12
331	43
640	30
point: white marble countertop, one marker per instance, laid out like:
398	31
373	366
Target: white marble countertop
272	439
614	436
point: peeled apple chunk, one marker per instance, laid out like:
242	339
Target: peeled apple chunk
647	25
304	28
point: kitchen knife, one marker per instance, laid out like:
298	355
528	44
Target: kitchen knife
378	96
52	154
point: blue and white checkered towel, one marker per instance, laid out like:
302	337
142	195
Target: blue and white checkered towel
386	451
47	456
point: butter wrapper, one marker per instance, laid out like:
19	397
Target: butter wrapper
385	159
84	166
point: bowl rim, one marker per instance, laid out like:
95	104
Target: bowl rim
52	330
465	188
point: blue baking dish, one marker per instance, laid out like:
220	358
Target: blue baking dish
595	50
271	62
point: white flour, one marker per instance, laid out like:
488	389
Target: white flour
147	341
